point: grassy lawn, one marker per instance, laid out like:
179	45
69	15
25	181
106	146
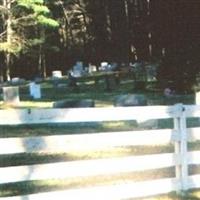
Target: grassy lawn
88	90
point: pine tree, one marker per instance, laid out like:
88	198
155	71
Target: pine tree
19	17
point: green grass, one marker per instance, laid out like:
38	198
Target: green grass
87	89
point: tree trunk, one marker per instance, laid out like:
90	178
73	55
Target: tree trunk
40	61
9	41
127	42
44	65
41	57
8	63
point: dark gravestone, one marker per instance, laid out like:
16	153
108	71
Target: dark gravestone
130	100
85	103
110	82
72	80
117	78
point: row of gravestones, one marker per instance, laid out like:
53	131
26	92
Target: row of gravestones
79	70
120	100
11	95
139	68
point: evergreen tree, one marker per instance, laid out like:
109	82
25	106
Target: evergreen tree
19	18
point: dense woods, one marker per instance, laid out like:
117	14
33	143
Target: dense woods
54	34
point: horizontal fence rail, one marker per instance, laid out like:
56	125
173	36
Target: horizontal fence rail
178	136
87	167
109	192
66	143
39	116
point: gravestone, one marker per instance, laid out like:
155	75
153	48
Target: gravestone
136	100
197	98
139	70
72	80
103	66
110	82
92	68
167	92
11	95
130	100
151	71
31	85
77	70
68	103
114	66
17	81
38	79
35	90
56	74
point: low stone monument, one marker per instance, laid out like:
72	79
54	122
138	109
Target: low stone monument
17	81
69	103
92	68
11	95
114	66
137	100
38	79
103	66
35	90
130	100
56	74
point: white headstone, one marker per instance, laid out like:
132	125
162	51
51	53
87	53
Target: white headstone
104	66
57	74
197	98
11	95
35	90
15	80
31	86
78	69
92	68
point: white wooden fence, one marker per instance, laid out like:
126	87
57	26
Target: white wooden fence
180	135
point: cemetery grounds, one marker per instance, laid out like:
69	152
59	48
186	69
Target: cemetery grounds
89	90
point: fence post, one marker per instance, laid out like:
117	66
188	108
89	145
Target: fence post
181	146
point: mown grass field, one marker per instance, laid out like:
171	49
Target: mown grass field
88	90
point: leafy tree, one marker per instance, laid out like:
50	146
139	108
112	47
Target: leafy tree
22	20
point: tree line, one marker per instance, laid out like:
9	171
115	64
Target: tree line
38	36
